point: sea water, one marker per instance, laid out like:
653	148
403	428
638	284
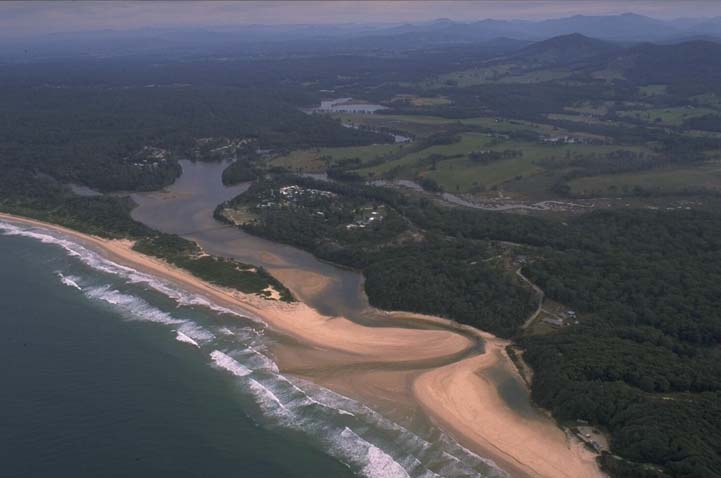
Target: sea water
107	371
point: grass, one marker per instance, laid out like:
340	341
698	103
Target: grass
458	173
454	171
418	126
314	160
711	100
423	100
581	118
652	90
537	76
503	73
587	108
472	77
409	165
667	116
660	181
609	74
464	175
424	125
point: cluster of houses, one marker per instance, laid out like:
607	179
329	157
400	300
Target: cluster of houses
291	194
562	140
219	148
346	105
362	223
149	156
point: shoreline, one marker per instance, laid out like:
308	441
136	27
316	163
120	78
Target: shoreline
547	450
455	395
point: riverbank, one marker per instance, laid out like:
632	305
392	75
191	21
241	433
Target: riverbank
455	395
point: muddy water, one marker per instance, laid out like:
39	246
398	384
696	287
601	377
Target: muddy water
186	208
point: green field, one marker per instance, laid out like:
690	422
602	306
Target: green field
503	73
660	181
320	159
423	125
418	126
459	173
537	76
449	164
472	77
581	118
422	100
667	116
652	90
411	164
464	175
452	168
588	108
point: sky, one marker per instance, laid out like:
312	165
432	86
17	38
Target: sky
37	17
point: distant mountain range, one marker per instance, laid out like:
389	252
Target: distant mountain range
627	27
271	40
694	65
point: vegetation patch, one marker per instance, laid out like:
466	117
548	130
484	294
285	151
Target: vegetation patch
224	272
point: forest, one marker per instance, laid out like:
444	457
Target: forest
405	267
96	136
644	364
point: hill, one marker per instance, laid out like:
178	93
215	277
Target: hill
692	67
564	49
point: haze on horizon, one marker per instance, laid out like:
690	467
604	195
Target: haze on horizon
25	19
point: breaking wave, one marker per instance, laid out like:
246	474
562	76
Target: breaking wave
181	337
70	281
99	263
132	307
378	464
371	445
229	363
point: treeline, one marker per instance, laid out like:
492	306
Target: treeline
485	157
243	169
591	164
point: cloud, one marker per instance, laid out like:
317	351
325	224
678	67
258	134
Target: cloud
29	18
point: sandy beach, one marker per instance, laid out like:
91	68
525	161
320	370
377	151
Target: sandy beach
436	370
487	421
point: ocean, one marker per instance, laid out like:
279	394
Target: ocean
107	371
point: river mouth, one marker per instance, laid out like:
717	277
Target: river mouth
186	208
